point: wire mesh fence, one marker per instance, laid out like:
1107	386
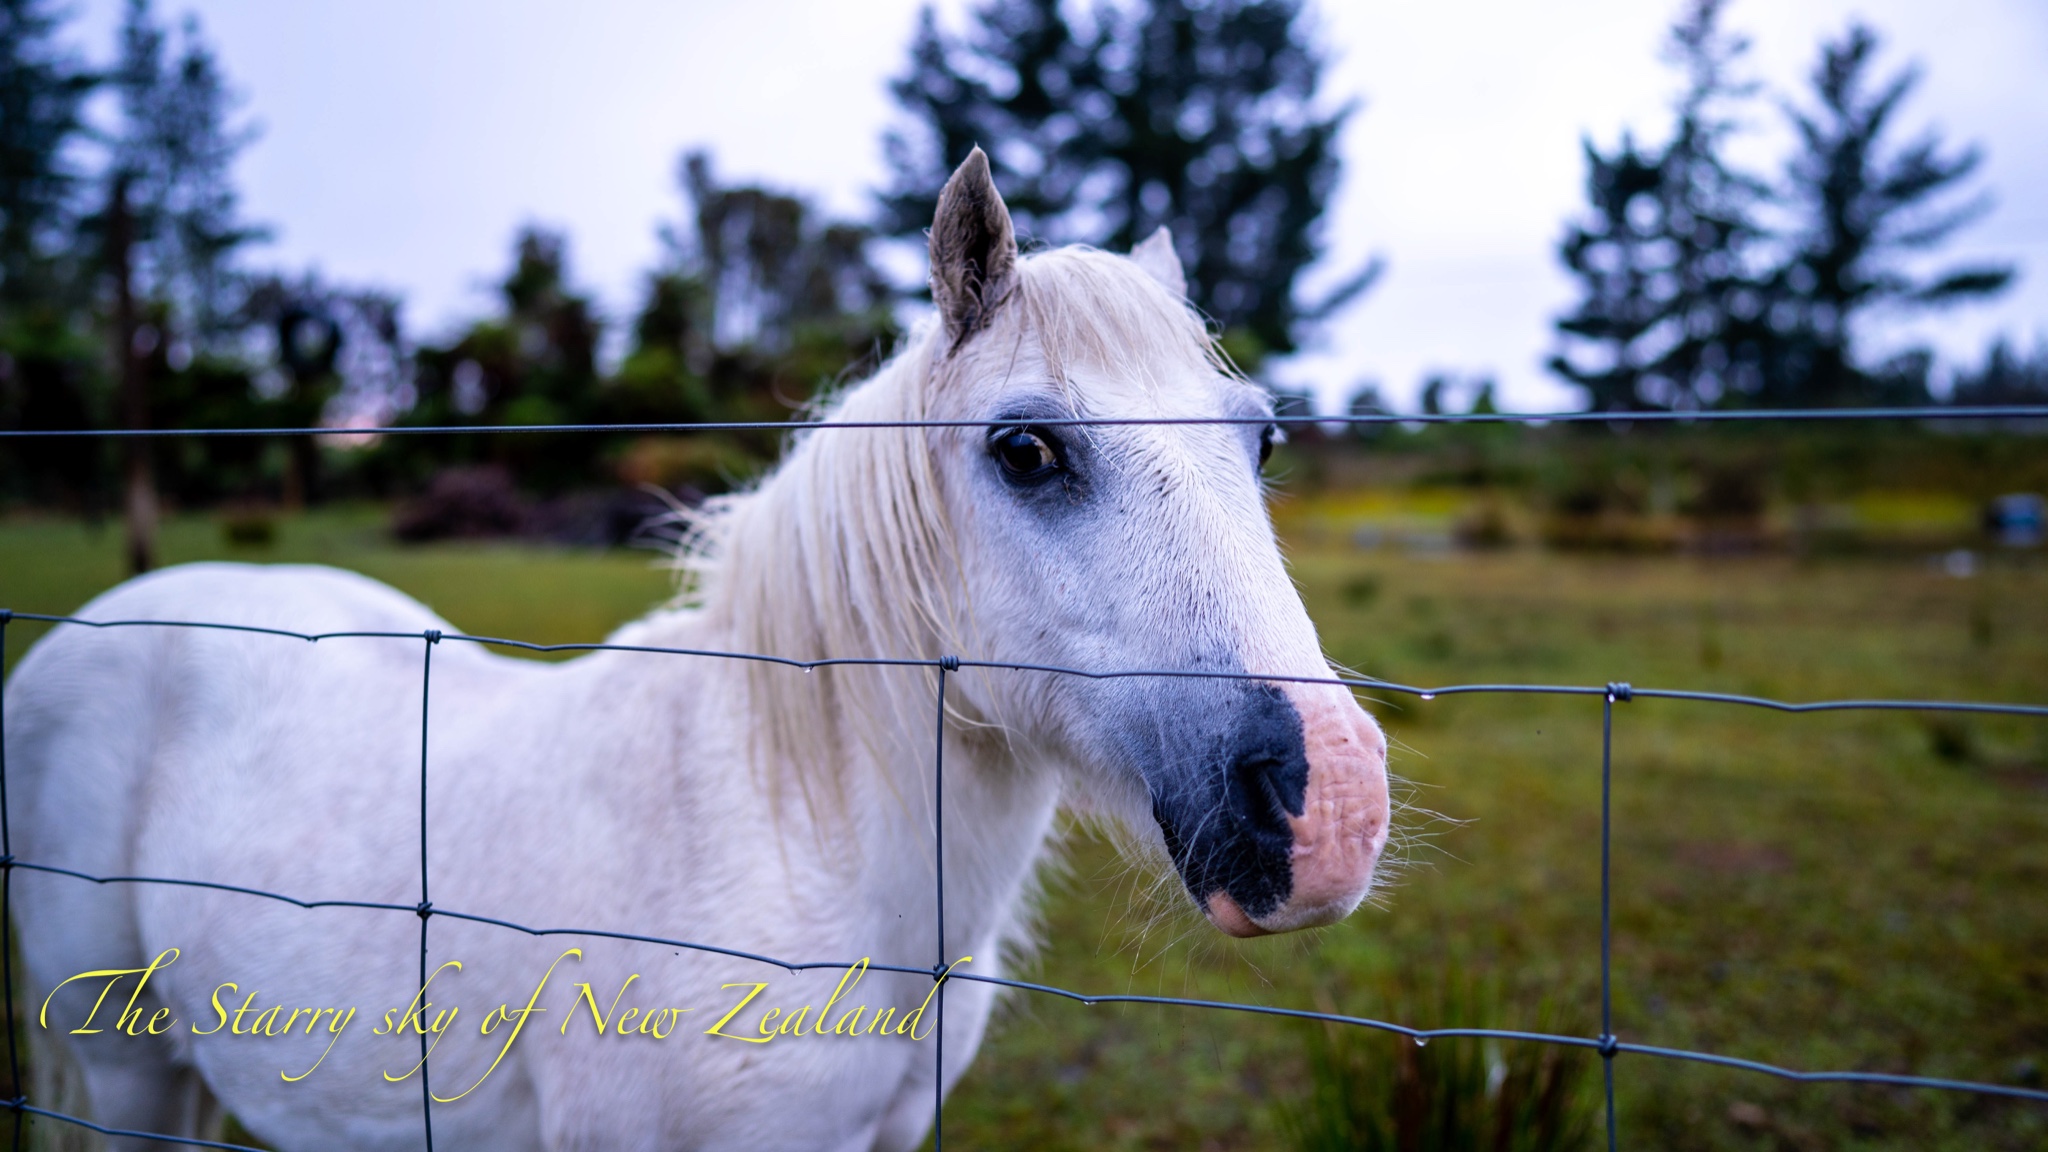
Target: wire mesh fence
1607	1044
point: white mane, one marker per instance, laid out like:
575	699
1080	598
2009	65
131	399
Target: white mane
844	550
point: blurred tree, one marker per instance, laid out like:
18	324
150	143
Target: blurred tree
1366	400
1432	395
759	303
1615	254
535	363
175	149
324	355
1864	211
1202	117
665	377
1440	391
756	304
170	233
1689	301
2007	377
1669	305
773	268
48	361
42	87
1010	86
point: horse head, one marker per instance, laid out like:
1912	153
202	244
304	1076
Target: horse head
1140	546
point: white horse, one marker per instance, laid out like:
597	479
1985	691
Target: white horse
749	806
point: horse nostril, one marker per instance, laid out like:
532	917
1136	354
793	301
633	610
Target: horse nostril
1261	792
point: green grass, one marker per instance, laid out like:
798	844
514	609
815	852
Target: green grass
1864	891
1821	891
548	595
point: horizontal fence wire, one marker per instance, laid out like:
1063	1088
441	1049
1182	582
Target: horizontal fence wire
956	663
1607	1044
2025	413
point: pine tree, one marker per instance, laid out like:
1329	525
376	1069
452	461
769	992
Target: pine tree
1011	86
175	151
1709	212
2007	377
169	233
1613	256
1669	303
41	90
48	358
1864	209
1202	117
1689	301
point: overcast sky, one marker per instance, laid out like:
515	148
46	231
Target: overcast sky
403	143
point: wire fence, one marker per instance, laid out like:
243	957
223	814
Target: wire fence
1606	1044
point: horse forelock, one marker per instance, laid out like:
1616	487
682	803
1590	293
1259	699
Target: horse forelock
1097	314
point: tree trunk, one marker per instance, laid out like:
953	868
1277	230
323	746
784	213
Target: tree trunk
298	472
139	495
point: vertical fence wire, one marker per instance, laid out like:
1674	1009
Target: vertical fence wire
426	908
15	1096
939	871
1607	910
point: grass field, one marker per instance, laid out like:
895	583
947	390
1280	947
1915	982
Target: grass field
1863	891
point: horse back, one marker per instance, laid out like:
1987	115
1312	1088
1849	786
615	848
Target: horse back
129	748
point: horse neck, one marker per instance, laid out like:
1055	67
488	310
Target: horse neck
844	552
859	826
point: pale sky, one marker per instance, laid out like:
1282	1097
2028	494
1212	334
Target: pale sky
404	142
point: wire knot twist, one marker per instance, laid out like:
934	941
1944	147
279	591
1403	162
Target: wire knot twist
423	909
938	973
433	635
1619	690
1609	1045
6	862
950	663
6	614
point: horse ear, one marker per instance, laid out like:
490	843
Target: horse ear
1157	257
973	250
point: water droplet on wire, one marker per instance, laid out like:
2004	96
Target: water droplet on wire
1429	695
1422	1041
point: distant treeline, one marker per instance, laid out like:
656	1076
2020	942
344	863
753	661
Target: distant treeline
1707	285
129	295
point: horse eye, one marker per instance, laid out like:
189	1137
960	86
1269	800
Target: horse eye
1268	436
1024	454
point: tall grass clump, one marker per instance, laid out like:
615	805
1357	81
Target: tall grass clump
1370	1091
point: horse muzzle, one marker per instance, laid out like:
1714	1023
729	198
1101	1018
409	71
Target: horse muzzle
1283	827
